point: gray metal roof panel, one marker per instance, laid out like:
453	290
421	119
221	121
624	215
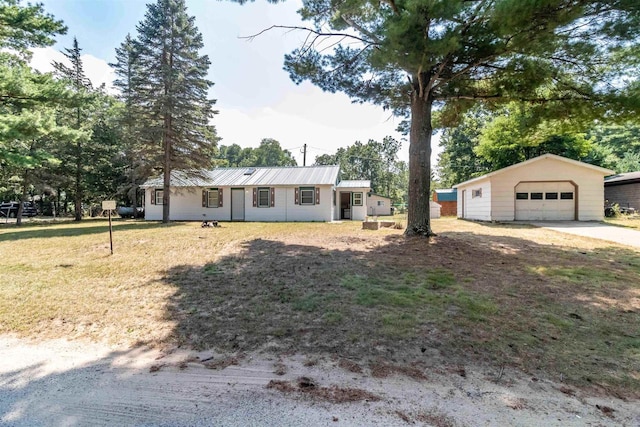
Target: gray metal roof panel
361	183
236	177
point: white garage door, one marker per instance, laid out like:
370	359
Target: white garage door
545	201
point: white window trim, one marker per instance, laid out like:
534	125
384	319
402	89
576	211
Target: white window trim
476	193
161	198
268	190
360	203
313	195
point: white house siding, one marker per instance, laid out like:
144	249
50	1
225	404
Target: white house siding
358	213
477	208
372	205
186	205
589	187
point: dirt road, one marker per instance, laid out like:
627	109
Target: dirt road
61	383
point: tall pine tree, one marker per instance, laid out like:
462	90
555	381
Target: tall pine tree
73	156
128	81
173	92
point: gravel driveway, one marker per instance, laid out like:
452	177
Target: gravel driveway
595	230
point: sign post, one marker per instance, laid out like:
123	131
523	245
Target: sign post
109	205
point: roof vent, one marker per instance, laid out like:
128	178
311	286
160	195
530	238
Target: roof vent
250	171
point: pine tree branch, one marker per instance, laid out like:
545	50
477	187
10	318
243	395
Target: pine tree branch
312	31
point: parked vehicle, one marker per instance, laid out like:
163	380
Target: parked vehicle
10	209
127	212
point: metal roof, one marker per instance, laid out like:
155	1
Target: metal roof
603	171
447	194
622	178
250	176
362	183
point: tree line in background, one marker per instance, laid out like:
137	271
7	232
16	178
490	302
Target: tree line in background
72	145
487	140
431	61
540	73
375	161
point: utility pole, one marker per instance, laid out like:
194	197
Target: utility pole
304	155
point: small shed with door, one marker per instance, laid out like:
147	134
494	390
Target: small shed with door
545	188
378	205
351	203
247	194
623	189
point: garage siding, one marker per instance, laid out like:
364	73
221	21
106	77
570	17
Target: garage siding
589	193
478	207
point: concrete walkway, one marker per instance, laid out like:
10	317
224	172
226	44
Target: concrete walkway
595	230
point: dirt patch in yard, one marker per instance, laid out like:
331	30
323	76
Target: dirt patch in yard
461	297
554	307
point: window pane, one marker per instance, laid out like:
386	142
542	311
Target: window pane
551	196
566	196
307	195
522	196
357	199
536	196
263	197
159	197
212	198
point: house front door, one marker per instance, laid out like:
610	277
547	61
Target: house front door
237	204
345	205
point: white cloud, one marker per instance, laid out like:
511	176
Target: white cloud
96	69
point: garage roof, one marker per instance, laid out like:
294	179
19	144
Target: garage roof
534	160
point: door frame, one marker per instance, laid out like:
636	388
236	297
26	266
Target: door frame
349	204
244	210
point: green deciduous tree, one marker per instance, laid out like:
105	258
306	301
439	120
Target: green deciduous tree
268	153
173	92
414	56
375	161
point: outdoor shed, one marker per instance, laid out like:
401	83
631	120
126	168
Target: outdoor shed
350	199
447	198
548	187
378	205
247	194
623	189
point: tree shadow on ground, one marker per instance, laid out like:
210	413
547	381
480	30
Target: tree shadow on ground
456	299
72	229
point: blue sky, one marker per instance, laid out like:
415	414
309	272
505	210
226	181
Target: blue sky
255	96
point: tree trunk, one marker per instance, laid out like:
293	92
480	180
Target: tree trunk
166	197
418	219
78	195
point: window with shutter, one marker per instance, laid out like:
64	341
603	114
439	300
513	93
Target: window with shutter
213	198
264	195
307	196
159	197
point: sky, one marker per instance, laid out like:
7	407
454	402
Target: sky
255	97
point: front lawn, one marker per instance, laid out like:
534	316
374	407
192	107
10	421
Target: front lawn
553	305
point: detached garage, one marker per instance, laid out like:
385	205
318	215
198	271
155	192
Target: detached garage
545	188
